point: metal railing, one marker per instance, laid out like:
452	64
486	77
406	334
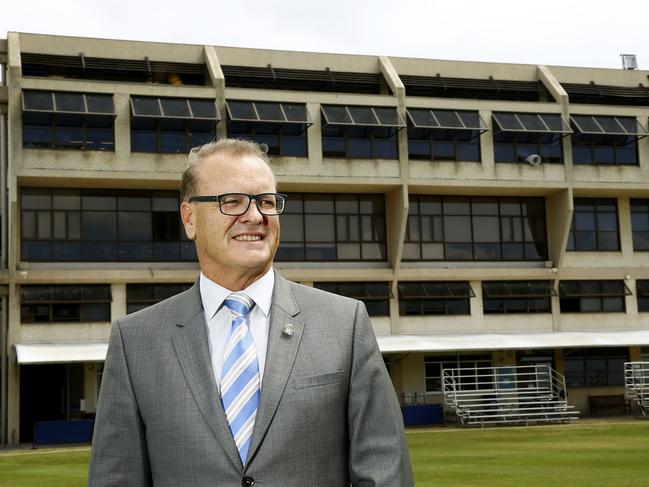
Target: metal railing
507	395
636	385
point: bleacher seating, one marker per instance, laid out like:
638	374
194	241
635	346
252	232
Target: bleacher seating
507	395
636	385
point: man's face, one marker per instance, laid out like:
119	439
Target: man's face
232	249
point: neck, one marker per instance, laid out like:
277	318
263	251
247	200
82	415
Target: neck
234	282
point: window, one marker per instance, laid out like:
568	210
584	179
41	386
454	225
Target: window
595	94
65	303
506	297
360	132
593	296
606	140
140	296
375	295
141	70
594	225
272	78
435	298
642	292
171	125
458	228
593	367
640	223
517	136
434	364
473	88
281	126
64	120
102	225
325	227
444	135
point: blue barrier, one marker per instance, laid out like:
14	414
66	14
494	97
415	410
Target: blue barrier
423	415
52	432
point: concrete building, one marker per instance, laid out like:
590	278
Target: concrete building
488	214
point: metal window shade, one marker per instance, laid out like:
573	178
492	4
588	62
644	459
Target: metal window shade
373	291
435	290
517	289
608	125
607	94
173	108
67	103
593	289
203	109
145	107
302	79
41	101
268	112
544	123
362	116
445	119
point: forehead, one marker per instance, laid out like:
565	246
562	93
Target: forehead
227	173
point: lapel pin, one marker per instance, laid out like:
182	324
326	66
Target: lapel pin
288	330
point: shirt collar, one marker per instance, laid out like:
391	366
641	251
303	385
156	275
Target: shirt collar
260	291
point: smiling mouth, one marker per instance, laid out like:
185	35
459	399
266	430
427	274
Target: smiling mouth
248	238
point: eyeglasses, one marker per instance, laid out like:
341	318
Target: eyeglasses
236	204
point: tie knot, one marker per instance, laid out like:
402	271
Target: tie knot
239	304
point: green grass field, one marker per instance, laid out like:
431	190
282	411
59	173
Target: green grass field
587	453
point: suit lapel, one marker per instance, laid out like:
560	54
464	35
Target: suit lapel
280	357
191	344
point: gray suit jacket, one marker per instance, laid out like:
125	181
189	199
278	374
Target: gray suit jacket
328	415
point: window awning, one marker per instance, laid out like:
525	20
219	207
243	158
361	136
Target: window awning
517	289
180	108
510	341
423	118
435	290
351	116
68	103
593	289
54	353
608	125
268	112
540	123
366	291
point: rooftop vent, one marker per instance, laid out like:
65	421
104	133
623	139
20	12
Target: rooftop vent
629	61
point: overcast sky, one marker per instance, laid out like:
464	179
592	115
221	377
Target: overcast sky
552	32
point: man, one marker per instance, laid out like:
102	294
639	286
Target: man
246	378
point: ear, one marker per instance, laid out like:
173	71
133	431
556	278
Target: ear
189	219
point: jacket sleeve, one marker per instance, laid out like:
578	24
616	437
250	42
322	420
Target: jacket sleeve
119	449
378	454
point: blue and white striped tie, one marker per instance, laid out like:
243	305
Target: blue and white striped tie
240	375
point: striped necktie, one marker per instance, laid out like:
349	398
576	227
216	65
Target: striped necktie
240	375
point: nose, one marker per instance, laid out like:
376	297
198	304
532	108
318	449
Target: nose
252	214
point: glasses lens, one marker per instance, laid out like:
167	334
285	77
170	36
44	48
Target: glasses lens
234	203
270	203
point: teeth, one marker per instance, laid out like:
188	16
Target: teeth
247	238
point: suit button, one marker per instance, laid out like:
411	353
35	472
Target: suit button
248	482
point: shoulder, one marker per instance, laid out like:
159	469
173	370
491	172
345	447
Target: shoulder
174	310
308	296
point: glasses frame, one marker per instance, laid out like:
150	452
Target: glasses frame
216	198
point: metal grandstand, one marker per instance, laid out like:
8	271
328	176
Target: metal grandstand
636	385
517	395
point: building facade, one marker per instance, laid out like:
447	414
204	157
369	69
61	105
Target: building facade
487	214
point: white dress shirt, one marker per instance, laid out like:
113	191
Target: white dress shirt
218	318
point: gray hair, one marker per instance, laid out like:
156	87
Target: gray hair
224	147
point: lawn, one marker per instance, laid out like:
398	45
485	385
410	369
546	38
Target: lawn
586	453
